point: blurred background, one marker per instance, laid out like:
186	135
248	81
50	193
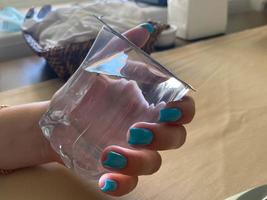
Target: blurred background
177	22
235	5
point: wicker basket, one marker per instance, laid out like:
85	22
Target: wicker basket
65	60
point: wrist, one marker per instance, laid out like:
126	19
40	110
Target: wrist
49	154
19	126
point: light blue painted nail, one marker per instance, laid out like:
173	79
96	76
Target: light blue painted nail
109	186
170	114
149	27
140	136
115	160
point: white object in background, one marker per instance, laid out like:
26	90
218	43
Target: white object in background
167	37
76	24
197	19
131	10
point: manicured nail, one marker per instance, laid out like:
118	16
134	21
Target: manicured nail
170	114
115	160
149	27
109	186
140	136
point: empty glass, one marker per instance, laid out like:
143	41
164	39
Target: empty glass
116	85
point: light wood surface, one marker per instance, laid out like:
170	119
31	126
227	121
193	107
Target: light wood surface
24	72
226	149
38	92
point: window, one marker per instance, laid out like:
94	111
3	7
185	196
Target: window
12	45
19	4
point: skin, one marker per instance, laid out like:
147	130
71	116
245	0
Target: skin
31	147
19	128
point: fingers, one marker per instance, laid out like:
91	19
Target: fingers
156	136
131	162
169	132
117	184
138	35
147	138
142	73
178	112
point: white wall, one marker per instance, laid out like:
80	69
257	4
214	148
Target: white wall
258	4
236	6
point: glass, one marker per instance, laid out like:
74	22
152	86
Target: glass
116	85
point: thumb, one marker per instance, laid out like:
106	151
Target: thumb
139	35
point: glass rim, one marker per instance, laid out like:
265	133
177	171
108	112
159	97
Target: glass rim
139	50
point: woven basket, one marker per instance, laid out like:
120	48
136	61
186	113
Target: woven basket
65	60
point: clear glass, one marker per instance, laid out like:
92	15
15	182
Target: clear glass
116	86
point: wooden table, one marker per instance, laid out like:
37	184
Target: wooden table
226	149
24	71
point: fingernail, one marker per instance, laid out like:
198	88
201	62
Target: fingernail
115	160
170	114
109	186
140	136
149	27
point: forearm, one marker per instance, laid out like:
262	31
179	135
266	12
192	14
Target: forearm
22	143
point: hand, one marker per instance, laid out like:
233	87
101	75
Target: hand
169	133
145	138
31	148
101	111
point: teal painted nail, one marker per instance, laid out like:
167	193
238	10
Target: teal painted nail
109	186
140	136
149	27
115	160
170	114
